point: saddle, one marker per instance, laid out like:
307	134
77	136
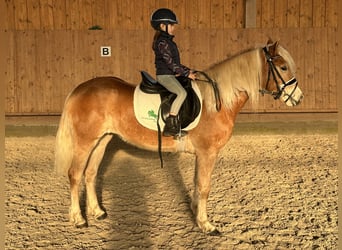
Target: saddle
191	106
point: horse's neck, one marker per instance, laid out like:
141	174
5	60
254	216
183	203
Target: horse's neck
245	64
238	74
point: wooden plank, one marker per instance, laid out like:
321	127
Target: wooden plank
318	13
258	18
6	19
323	36
59	15
216	40
63	71
52	75
309	49
204	14
192	14
124	46
240	14
267	14
18	90
118	53
199	52
306	12
149	7
33	14
114	21
280	14
86	14
20	13
8	51
43	83
229	14
24	63
46	14
99	13
111	17
138	14
293	13
72	14
216	13
331	13
86	52
134	62
183	41
126	17
332	68
163	4
179	8
318	54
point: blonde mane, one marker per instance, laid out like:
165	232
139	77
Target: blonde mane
234	75
240	73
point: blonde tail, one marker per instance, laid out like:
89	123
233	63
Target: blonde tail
64	145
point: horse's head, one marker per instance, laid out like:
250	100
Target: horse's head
281	81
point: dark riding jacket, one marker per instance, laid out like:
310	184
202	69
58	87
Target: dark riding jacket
167	58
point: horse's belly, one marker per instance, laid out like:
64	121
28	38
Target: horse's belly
168	144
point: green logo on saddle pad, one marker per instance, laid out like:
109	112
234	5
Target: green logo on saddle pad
151	114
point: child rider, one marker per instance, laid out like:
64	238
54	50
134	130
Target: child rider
168	66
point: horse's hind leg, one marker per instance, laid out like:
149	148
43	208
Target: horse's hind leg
75	173
90	177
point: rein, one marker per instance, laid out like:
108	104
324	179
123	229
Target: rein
214	86
275	73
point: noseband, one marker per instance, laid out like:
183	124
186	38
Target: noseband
275	74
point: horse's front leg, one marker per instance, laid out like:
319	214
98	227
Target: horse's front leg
204	167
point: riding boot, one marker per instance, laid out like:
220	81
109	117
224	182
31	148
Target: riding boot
173	127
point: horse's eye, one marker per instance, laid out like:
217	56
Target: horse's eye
283	68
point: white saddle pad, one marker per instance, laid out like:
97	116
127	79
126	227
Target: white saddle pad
146	108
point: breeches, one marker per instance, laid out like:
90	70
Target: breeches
171	83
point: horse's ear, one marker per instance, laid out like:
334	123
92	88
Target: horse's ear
272	48
269	42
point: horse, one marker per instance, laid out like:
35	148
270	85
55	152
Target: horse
98	109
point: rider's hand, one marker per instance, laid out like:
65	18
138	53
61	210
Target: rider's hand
192	76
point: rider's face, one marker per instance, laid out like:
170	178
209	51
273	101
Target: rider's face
170	28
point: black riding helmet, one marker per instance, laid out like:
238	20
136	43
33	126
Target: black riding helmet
163	15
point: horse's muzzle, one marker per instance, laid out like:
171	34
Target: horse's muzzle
292	95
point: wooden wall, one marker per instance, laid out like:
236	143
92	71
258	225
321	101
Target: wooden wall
193	14
50	49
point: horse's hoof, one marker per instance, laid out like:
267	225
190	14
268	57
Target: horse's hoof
215	233
101	217
81	225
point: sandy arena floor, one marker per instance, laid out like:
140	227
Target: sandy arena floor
268	192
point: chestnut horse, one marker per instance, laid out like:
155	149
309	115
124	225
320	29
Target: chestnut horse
101	107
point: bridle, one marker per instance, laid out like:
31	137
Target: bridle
275	74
